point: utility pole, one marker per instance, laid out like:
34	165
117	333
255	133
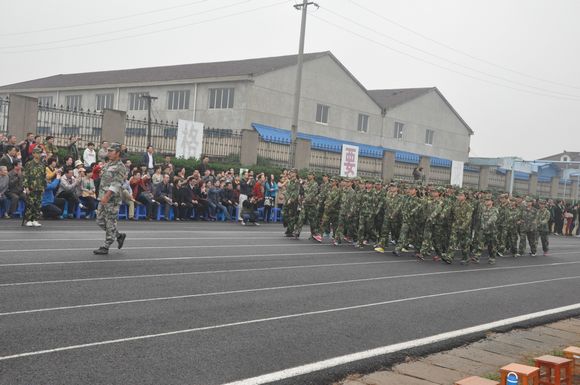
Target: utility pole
297	90
149	98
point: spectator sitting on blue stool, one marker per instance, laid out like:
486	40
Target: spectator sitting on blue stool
15	189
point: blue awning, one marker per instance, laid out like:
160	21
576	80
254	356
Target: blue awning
440	162
278	135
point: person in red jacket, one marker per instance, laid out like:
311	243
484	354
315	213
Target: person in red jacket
257	198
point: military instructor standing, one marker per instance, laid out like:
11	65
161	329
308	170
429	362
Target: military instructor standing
113	175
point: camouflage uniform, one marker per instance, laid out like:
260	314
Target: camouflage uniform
331	209
290	210
390	213
366	218
323	191
460	231
476	233
502	222
528	229
345	215
543	227
488	220
309	210
35	181
112	178
512	218
433	230
410	210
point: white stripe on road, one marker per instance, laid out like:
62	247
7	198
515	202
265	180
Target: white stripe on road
180	258
298	315
200	273
316	284
17	254
342	360
131	239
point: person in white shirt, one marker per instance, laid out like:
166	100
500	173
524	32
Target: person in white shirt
90	156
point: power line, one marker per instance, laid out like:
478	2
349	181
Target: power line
342	28
458	50
127	29
150	32
451	61
103	20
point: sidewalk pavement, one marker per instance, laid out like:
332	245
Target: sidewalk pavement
482	358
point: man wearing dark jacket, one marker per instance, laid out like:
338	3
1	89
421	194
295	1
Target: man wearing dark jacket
148	160
163	193
9	157
15	188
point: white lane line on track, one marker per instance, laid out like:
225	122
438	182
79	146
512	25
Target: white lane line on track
133	239
285	317
79	262
166	247
341	360
112	278
301	286
180	258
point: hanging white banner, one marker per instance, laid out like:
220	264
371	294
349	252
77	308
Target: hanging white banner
189	139
349	161
457	173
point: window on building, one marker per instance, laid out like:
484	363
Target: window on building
398	131
322	113
45	101
565	158
43	130
71	131
170	132
105	101
135	131
221	98
96	131
136	102
363	123
73	102
429	134
178	100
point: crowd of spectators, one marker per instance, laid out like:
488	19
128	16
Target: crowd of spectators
72	183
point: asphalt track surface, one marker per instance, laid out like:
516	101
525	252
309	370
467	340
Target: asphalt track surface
215	303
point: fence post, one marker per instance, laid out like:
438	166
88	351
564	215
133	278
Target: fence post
249	150
483	177
508	179
388	171
533	184
113	129
22	116
425	162
555	186
303	152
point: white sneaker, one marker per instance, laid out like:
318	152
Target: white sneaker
36	224
242	223
29	224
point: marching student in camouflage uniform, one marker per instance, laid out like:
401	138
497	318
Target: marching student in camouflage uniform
488	219
367	212
331	210
460	230
476	237
519	212
390	212
433	233
309	210
323	191
113	175
409	211
502	221
528	227
291	205
543	226
346	213
512	218
380	197
34	183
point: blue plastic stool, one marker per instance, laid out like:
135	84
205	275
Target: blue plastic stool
140	212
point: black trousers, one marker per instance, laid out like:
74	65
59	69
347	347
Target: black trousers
71	198
53	210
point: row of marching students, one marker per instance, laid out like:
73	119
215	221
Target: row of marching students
433	221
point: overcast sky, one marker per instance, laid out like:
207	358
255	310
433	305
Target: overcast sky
511	68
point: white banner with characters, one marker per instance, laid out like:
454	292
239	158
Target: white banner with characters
349	161
457	173
189	139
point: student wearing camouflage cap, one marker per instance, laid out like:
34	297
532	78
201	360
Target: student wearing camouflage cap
309	203
113	175
543	226
34	183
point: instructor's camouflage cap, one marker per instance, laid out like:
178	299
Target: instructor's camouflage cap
114	147
37	150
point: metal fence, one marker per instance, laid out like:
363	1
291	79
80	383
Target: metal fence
63	122
4	105
221	143
163	135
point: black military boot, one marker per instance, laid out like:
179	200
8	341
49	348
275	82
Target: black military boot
121	240
101	251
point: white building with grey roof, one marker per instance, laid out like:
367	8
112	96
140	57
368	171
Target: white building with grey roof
236	94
